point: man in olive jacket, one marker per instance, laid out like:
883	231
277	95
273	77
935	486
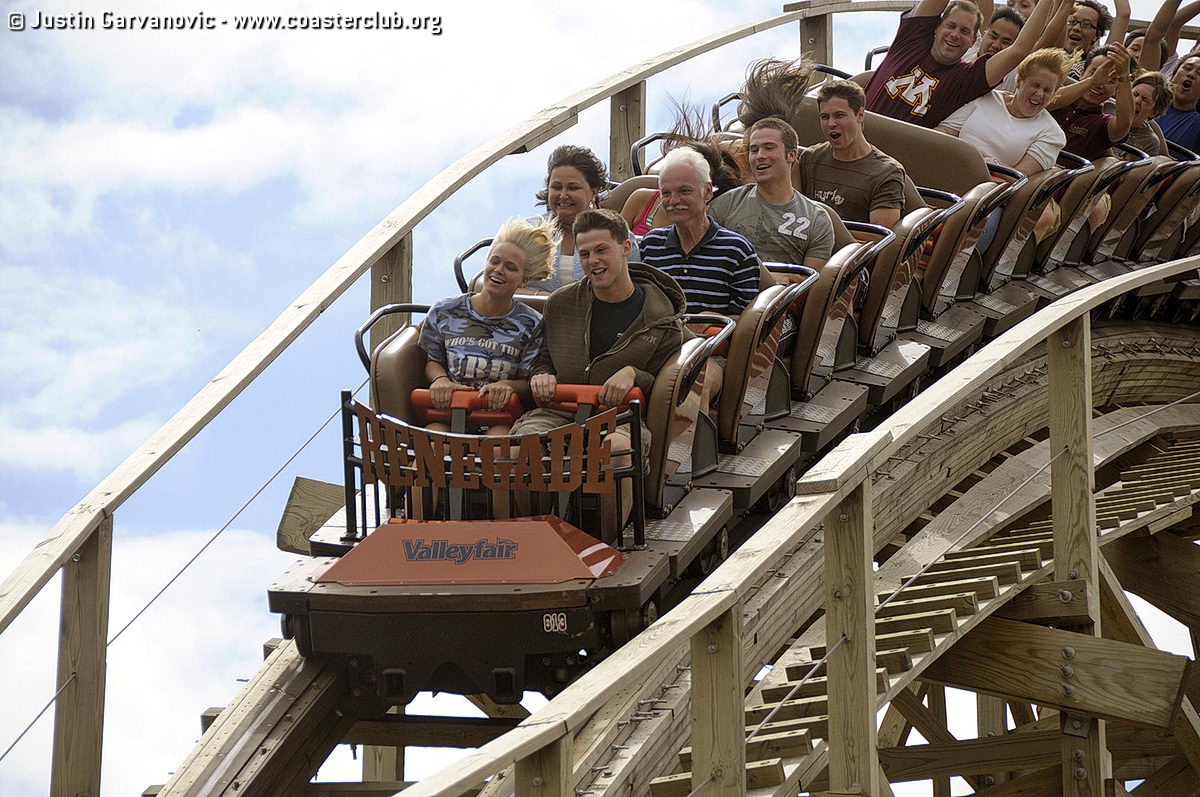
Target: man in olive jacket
617	327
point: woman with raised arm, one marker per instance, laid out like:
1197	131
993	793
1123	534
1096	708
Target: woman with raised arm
1016	129
574	179
1162	37
487	341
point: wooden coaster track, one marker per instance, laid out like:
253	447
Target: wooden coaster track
943	624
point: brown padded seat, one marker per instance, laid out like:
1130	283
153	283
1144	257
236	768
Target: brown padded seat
1021	213
1074	203
1176	203
398	367
893	280
751	357
930	158
615	199
823	321
671	417
1129	201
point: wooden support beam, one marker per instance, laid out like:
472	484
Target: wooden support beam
1177	778
1085	761
816	37
1069	671
384	762
1042	783
427	731
82	644
1050	603
391	283
1072	473
718	714
547	772
849	578
1163	569
376	789
626	125
971	757
991	720
498	710
926	723
937	707
1032	750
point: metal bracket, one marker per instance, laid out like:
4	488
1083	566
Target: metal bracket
1076	724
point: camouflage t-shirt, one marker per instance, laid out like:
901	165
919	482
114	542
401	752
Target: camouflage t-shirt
476	349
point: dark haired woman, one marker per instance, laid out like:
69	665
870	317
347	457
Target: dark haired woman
574	179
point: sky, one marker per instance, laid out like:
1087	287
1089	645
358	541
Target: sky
164	194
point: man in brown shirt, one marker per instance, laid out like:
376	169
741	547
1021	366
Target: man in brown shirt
846	172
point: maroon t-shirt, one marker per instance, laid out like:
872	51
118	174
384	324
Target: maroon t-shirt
912	86
1086	128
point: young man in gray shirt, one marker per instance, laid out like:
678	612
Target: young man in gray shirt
783	225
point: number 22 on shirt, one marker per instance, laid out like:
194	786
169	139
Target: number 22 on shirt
797	227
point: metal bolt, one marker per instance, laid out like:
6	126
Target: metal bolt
538	780
1065	596
76	557
1079	755
1072	573
1077	724
1068	653
1066	344
384	278
1080	773
1067	671
843	516
1069	690
989	780
712	647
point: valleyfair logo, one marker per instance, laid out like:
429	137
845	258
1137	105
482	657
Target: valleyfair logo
459	553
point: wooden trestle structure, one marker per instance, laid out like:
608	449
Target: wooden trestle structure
1028	609
982	484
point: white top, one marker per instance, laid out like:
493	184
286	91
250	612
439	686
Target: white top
1001	137
566	269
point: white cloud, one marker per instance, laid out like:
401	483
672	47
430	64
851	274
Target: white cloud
72	347
182	656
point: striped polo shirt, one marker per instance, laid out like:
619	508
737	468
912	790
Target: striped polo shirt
720	275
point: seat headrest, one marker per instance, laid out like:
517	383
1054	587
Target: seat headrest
930	158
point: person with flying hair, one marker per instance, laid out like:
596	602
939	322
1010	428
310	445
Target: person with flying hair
487	341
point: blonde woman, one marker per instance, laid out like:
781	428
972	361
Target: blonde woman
1016	129
487	341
